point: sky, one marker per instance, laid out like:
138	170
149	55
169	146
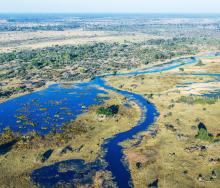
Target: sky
110	6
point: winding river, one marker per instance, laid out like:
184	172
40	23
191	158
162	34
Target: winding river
86	95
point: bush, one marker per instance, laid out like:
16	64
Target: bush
138	165
203	133
181	69
200	63
108	111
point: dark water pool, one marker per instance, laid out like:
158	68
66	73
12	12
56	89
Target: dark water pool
46	110
70	172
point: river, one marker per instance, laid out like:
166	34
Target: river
36	107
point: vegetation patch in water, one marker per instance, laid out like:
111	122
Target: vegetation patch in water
29	122
43	109
21	117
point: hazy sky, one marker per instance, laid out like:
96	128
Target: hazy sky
142	6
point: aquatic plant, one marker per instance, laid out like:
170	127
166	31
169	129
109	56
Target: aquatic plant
21	117
29	122
43	109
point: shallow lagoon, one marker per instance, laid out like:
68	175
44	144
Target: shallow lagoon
45	111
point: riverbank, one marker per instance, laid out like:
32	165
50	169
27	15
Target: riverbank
16	87
169	154
174	129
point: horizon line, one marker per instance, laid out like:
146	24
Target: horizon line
109	13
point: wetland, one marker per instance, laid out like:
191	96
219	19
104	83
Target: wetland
128	110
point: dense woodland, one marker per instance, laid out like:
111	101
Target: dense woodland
91	59
168	39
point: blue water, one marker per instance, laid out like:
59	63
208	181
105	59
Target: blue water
86	94
162	68
114	152
71	172
215	93
46	110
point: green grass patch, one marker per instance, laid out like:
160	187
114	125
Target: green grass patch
197	100
43	109
204	135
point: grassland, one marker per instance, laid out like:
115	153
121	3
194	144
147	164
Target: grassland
41	39
170	153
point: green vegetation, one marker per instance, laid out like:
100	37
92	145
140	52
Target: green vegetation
29	122
43	109
85	59
203	133
58	56
200	63
138	165
21	117
197	100
109	111
181	69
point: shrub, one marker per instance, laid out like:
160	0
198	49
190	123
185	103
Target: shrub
200	63
138	165
181	69
108	111
203	133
